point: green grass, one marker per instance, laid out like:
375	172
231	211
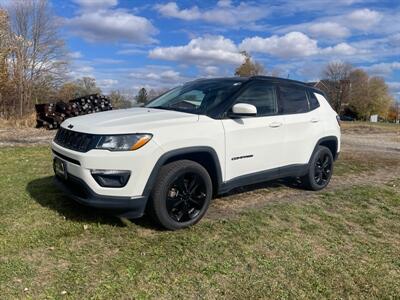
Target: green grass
342	245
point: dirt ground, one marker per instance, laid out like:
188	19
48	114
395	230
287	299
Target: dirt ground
10	137
372	150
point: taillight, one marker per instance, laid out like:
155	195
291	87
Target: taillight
338	119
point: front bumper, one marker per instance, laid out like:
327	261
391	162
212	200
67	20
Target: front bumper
139	163
129	200
78	190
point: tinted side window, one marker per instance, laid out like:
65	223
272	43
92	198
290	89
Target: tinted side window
294	100
262	96
312	100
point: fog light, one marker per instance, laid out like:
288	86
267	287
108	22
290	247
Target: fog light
111	178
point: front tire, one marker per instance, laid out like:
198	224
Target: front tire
181	195
320	169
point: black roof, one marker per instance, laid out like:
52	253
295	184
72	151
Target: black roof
260	77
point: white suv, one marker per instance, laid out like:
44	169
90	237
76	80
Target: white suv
198	140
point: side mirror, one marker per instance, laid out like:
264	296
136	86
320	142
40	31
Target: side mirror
243	110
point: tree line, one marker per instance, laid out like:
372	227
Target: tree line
353	92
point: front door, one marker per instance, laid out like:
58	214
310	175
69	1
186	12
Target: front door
254	144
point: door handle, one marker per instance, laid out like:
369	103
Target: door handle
275	124
314	120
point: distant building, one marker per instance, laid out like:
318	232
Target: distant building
373	118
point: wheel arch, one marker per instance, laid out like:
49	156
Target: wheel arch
205	156
331	142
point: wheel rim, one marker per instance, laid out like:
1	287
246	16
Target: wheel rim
323	169
186	197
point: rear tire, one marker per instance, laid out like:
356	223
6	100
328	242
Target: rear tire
320	170
181	195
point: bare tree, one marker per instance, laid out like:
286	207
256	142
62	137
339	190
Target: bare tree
249	67
336	83
5	47
87	86
68	91
154	93
119	100
37	51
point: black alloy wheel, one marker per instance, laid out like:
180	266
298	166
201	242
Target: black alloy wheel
320	169
181	194
186	197
323	168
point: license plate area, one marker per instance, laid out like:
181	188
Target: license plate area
60	168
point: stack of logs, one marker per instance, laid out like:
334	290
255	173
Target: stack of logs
51	115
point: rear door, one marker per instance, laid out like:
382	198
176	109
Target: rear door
302	124
254	144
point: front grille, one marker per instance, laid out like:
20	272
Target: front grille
76	141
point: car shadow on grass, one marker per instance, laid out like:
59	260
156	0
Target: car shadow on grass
44	192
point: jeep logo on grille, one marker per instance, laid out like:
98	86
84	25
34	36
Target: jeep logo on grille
70	126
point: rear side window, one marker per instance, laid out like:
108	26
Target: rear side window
262	96
312	99
294	100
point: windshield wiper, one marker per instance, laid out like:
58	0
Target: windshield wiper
163	107
174	109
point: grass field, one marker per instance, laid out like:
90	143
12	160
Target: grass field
340	243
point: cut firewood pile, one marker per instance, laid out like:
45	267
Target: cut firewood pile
51	115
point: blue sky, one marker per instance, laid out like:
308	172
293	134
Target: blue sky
129	44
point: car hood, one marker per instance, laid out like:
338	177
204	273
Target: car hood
130	120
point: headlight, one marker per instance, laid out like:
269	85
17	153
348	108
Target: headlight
126	142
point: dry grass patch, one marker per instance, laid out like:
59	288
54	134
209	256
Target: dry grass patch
368	128
28	121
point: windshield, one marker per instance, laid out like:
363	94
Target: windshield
196	97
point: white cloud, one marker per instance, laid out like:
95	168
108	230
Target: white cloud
172	10
339	49
112	25
363	19
169	75
328	30
210	71
224	13
383	69
107	83
339	24
75	55
95	4
207	50
79	69
107	61
394	87
289	7
100	21
130	51
378	48
154	75
293	44
394	40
